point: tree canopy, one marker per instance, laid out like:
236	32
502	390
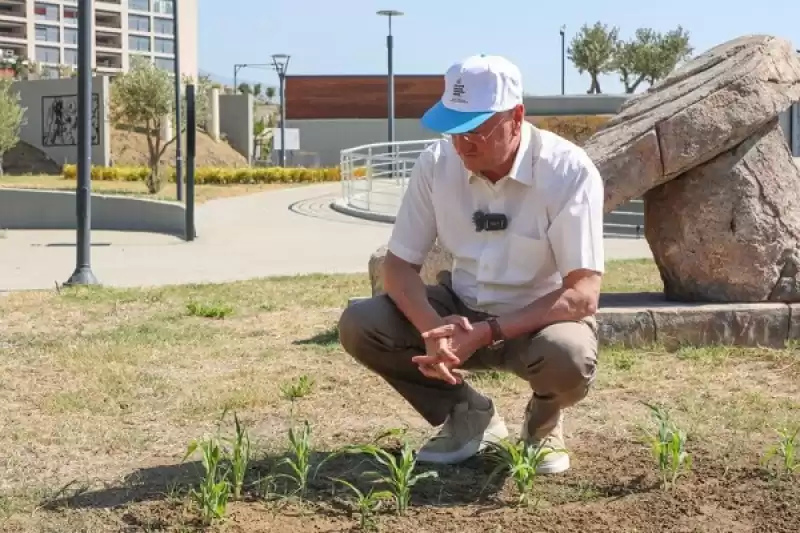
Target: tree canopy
648	56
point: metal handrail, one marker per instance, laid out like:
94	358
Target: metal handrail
375	176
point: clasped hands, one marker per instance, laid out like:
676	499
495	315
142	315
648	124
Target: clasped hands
448	346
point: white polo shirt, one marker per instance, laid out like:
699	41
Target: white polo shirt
553	198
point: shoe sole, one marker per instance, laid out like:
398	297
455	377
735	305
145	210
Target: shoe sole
555	466
472	448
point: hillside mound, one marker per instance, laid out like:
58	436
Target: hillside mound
129	148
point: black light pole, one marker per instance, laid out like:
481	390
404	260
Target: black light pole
389	13
563	60
191	150
239	66
83	274
177	65
281	62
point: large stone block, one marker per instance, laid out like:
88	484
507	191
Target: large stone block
728	230
437	261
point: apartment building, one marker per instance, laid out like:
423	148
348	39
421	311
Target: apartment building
46	31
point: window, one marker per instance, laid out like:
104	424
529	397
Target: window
163	26
46	11
138	23
163	6
70	36
71	16
137	42
47	34
164	46
47	54
139	5
166	64
70	56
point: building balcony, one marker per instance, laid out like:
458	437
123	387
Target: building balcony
14	9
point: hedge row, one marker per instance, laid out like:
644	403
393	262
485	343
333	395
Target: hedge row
217	176
576	128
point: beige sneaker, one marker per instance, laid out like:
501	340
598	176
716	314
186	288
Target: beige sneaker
557	460
463	435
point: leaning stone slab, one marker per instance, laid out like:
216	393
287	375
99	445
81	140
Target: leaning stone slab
763	324
706	107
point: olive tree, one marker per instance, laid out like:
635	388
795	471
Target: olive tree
12	118
143	98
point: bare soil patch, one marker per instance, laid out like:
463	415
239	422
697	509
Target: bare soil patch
104	389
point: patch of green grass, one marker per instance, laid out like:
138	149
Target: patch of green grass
209	310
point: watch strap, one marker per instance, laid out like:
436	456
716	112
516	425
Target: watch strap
497	332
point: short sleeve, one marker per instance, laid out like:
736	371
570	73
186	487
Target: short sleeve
576	228
414	230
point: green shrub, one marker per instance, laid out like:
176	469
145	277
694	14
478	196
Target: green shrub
219	175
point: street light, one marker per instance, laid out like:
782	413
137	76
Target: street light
281	62
389	13
563	59
83	274
239	66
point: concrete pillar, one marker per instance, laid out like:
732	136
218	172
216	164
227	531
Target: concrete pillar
166	129
213	112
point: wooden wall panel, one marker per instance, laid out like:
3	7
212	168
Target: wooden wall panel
348	97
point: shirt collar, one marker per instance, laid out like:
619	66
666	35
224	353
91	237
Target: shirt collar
522	169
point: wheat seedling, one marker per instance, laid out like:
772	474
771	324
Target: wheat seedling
668	445
238	456
399	476
300	460
366	504
300	388
521	460
786	451
214	491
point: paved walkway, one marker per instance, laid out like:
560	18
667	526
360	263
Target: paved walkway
283	232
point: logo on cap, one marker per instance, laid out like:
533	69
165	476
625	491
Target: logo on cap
458	92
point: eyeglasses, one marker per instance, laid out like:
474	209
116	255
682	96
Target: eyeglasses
476	138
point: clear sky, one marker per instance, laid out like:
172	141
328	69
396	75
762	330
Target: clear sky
347	37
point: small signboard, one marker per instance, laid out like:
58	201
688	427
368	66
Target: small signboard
292	138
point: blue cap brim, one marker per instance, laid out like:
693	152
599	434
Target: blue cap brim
444	120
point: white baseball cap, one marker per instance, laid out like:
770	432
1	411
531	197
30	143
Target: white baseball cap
474	90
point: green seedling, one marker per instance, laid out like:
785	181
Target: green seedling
239	457
786	451
208	310
366	504
399	477
300	388
214	491
300	460
521	460
668	446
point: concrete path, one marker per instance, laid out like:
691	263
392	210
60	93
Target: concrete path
283	232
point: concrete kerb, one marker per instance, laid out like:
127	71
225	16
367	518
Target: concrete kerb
640	320
340	205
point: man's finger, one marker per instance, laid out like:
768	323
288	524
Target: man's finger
463	322
440	332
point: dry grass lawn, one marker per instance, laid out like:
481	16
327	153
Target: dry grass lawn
104	389
203	193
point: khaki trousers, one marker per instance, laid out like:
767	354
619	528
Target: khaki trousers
559	361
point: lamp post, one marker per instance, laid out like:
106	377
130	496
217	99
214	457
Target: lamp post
563	59
178	119
239	66
389	13
281	62
83	274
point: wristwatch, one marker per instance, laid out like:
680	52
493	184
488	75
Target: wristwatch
497	334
